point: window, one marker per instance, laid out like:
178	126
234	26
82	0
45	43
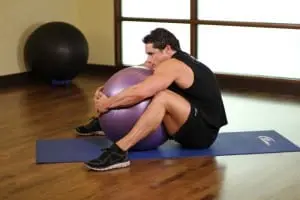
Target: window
250	51
274	11
255	38
133	49
179	9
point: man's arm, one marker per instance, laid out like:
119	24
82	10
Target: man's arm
161	79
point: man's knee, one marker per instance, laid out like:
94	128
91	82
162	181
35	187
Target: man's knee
162	96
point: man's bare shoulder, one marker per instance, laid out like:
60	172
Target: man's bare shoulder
171	66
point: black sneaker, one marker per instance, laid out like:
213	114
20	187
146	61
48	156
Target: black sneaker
89	129
111	158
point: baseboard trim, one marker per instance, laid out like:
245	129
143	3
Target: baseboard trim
96	69
240	83
235	83
13	80
26	78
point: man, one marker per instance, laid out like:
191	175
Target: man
185	97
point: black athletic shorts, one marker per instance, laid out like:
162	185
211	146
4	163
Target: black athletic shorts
195	132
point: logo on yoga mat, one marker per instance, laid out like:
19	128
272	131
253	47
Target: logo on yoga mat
267	140
195	112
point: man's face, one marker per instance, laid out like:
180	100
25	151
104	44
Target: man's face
156	56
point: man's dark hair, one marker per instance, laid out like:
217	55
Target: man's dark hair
160	38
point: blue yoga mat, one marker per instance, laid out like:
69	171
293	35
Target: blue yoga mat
230	143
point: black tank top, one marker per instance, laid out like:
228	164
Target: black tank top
204	92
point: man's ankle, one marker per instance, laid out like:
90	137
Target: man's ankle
116	148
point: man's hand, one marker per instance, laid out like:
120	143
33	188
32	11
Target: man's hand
99	92
100	101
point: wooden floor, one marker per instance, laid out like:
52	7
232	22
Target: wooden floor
32	112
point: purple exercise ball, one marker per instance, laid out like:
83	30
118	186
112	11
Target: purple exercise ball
118	122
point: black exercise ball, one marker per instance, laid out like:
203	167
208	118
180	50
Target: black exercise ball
56	52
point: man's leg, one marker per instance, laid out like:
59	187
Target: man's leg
167	107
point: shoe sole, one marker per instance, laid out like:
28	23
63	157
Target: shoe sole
115	166
99	133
